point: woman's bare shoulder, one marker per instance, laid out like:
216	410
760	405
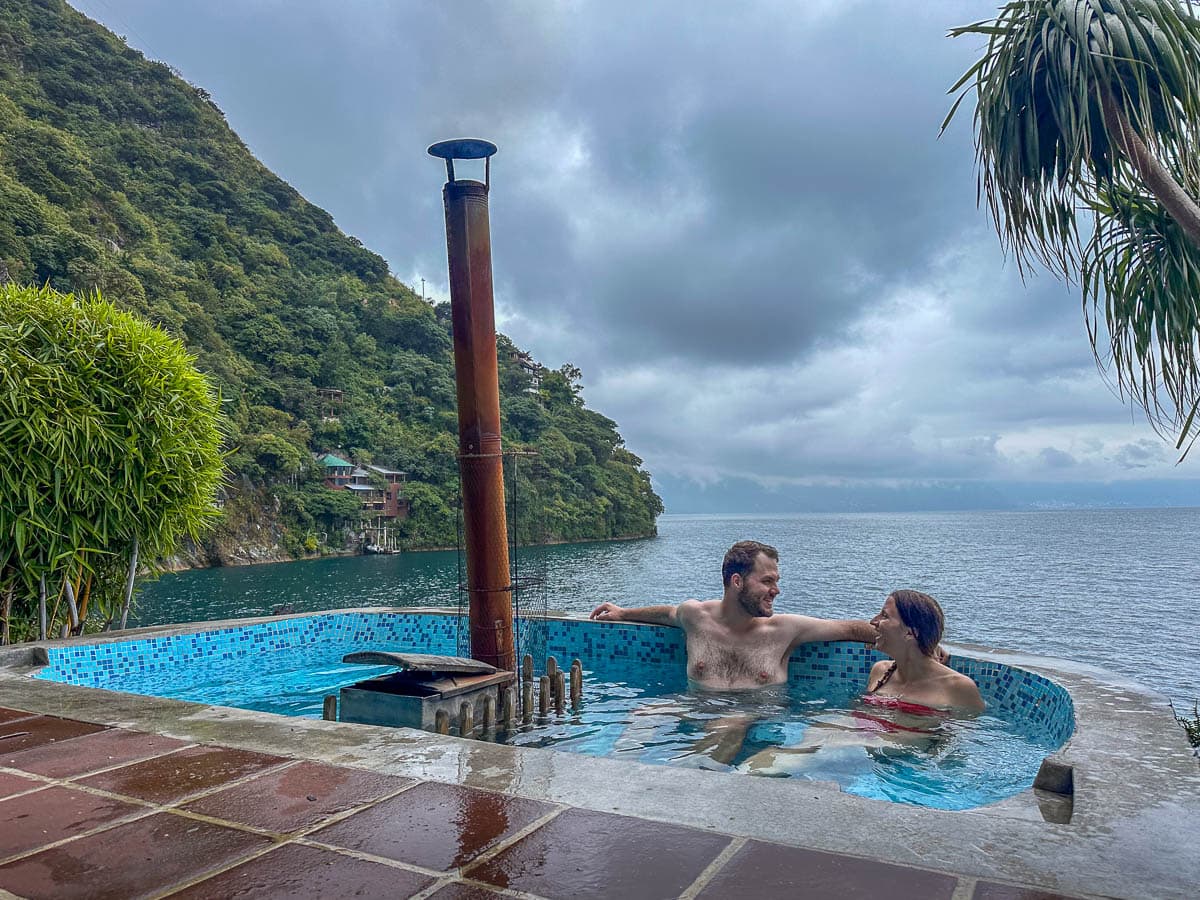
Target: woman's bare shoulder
963	692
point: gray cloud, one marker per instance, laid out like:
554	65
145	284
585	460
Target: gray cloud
738	219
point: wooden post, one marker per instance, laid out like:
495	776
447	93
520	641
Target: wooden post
329	708
527	702
526	687
489	712
576	684
508	699
544	695
441	722
551	666
560	701
466	722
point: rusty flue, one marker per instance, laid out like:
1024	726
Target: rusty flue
481	464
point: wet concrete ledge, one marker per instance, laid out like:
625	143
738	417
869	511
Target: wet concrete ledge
1136	789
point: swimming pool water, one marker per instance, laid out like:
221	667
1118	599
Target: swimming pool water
961	765
636	702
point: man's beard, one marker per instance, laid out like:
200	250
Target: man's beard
751	608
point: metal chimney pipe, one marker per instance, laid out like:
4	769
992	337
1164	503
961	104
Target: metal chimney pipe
480	458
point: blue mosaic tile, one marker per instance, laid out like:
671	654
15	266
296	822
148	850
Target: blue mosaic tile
623	652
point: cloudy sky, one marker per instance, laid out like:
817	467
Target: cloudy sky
737	219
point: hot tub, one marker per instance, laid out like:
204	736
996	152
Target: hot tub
636	703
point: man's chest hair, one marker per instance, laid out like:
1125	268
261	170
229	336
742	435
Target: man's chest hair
722	659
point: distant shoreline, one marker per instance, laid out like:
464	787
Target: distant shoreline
931	510
177	566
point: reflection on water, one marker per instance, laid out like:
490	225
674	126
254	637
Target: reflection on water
1018	580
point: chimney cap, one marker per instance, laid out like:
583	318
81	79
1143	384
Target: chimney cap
463	148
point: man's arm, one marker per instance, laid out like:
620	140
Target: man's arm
651	615
807	629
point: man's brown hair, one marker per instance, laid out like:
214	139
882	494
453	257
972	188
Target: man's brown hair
739	559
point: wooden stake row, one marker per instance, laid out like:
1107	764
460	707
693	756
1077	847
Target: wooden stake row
553	688
466	714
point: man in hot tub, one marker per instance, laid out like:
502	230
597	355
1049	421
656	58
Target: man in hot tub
738	642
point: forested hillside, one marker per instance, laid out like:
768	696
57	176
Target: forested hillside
118	176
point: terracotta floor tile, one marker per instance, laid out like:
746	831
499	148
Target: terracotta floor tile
132	860
25	733
166	779
438	826
15	784
298	871
763	871
987	890
80	755
587	854
11	715
298	796
52	814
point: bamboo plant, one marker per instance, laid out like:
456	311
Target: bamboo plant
113	447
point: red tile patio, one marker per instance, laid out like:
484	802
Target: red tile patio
90	811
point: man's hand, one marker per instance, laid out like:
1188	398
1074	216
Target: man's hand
607	612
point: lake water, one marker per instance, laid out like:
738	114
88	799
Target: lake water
1115	588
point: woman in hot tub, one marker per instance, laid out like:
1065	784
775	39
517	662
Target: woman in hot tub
906	698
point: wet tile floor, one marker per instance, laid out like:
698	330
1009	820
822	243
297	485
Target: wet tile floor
91	811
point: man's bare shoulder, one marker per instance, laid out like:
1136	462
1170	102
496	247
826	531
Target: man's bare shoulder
693	611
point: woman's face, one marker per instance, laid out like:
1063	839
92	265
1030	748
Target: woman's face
890	630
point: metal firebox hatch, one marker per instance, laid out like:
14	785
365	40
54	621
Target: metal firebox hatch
429	692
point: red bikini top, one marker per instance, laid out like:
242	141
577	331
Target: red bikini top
903	706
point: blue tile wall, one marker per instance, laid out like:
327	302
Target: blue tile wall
105	664
620	652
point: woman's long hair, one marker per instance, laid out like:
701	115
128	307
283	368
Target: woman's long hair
923	615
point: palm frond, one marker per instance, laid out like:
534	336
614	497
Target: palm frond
1141	277
1042	148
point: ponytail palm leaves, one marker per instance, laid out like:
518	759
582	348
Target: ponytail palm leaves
110	441
1142	279
1093	107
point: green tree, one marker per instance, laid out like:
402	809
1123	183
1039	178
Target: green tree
112	446
1091	109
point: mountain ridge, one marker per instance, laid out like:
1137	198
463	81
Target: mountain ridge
118	176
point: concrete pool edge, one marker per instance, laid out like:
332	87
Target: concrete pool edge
1137	791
